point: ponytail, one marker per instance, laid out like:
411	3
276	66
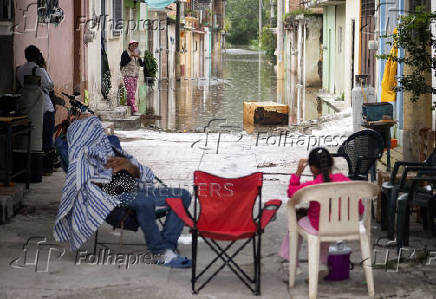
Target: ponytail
321	158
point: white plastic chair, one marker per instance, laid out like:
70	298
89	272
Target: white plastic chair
333	225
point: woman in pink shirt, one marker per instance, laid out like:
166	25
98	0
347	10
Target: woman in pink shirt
320	162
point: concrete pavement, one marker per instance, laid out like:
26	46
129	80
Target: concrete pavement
174	157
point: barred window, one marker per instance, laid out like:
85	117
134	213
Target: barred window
117	6
368	7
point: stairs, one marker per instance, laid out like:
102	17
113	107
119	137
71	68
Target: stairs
120	117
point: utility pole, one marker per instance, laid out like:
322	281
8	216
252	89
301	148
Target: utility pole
177	62
280	10
260	18
177	26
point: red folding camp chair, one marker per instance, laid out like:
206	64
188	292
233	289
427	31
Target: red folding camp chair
226	214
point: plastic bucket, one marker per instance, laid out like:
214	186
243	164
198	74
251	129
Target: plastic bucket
339	263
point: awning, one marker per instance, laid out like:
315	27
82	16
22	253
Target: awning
158	4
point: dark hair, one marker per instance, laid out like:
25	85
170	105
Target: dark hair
321	159
32	53
41	61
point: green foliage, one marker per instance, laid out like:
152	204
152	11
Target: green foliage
192	13
254	44
268	42
243	16
414	35
298	11
122	94
150	68
227	24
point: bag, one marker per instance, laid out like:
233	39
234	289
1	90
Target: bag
376	111
32	79
125	216
123	186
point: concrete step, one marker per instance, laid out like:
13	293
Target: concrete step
10	201
116	113
129	123
103	105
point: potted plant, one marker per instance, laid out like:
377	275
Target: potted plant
150	68
190	13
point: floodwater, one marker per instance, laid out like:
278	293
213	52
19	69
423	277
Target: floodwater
191	104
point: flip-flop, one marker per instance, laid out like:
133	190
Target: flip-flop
180	262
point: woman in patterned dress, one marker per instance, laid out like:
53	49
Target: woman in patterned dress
130	64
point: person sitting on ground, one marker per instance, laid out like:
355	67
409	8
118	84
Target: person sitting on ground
321	163
86	137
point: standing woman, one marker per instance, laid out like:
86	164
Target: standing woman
130	64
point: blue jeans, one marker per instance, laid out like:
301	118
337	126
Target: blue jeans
144	205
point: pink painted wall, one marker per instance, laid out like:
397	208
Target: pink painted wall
55	41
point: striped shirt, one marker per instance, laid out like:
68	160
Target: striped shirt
84	206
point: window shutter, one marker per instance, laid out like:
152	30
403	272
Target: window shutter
5	9
118	17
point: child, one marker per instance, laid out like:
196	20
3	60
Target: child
320	162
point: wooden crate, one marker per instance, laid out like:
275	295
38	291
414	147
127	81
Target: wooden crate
265	113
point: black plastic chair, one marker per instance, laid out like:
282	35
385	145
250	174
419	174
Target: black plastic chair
390	190
421	196
361	150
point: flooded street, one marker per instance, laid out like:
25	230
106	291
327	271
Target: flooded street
189	105
241	75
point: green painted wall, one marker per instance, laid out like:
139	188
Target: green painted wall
329	49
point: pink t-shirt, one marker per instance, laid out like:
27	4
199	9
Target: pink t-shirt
314	206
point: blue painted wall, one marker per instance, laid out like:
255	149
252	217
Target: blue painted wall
389	12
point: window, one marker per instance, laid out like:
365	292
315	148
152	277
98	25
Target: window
117	7
367	7
5	9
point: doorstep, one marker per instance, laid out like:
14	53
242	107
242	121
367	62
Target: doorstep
10	201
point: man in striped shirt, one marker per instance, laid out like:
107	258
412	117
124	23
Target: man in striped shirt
147	198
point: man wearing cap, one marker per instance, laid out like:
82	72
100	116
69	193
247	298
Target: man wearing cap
130	64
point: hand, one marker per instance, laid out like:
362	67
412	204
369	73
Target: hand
119	163
301	166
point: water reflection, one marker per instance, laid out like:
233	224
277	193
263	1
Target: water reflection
189	104
240	75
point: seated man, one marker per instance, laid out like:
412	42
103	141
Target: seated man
146	199
144	202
